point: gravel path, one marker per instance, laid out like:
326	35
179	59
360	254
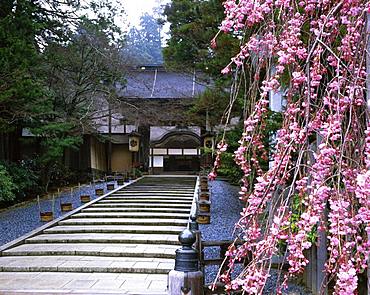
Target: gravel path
23	218
225	212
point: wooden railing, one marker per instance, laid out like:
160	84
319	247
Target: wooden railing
223	247
277	262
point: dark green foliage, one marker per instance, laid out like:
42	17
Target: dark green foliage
7	187
137	172
60	175
212	101
229	169
25	177
50	76
25	27
21	93
56	138
194	23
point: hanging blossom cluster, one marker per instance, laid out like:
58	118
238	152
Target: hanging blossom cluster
313	51
221	147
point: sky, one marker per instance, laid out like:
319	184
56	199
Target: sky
135	8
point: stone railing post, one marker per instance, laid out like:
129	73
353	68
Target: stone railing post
186	278
194	227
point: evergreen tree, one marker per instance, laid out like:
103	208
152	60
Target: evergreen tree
193	24
144	43
43	85
22	97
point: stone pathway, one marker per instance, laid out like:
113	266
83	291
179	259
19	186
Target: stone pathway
121	243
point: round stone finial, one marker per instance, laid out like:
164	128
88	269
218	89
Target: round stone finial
193	225
187	238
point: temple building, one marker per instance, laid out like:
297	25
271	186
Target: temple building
147	127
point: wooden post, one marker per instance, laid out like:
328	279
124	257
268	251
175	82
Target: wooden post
321	257
321	251
314	270
185	283
368	110
186	278
307	275
315	275
52	204
38	203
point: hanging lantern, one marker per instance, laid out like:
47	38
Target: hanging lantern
134	141
209	140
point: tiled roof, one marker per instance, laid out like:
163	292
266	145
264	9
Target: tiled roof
157	83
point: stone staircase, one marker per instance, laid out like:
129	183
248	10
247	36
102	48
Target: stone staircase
121	243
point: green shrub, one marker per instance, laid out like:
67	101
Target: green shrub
138	172
229	169
7	187
24	176
56	174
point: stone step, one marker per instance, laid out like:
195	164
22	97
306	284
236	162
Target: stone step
146	193
106	238
145	201
161	185
85	264
64	229
94	249
156	191
133	210
22	283
156	188
131	215
148	198
159	191
155	183
132	233
142	205
124	221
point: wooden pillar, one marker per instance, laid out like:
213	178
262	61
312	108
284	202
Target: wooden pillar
368	110
307	275
185	283
321	257
186	278
315	276
314	270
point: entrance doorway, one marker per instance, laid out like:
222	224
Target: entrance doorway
181	163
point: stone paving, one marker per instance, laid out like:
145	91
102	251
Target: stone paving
124	243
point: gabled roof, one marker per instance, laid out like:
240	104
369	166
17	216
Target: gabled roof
154	82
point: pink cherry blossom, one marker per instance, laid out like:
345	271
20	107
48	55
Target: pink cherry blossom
318	179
